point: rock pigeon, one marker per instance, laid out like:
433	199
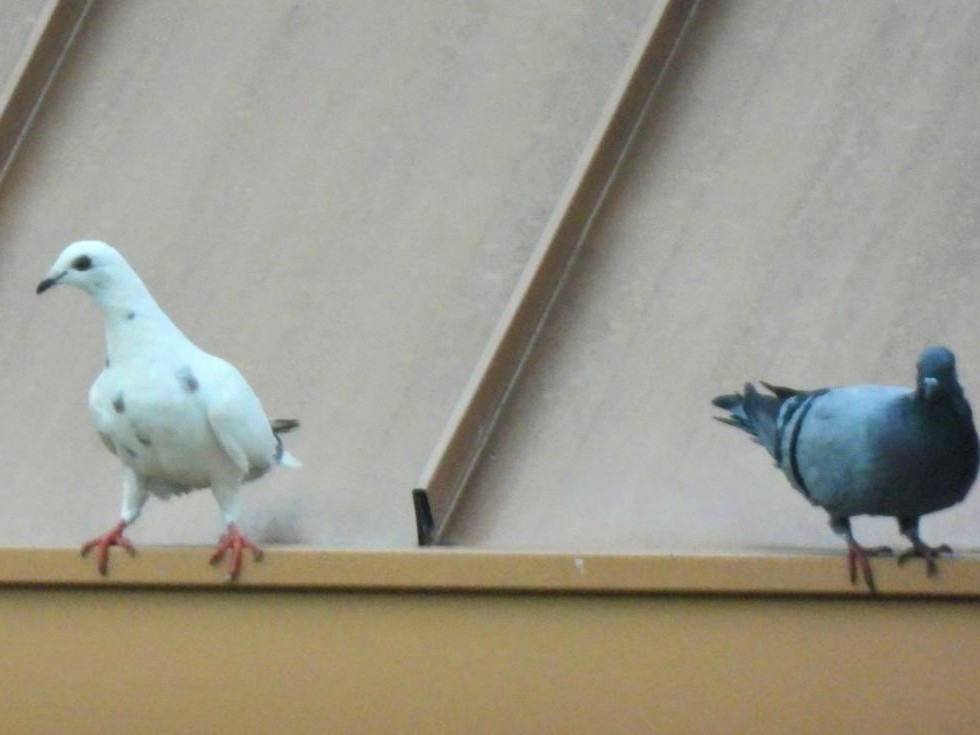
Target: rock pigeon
870	449
177	417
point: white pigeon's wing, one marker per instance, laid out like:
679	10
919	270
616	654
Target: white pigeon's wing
107	442
237	419
100	408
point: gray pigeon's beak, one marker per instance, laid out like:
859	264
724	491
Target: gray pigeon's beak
929	387
47	283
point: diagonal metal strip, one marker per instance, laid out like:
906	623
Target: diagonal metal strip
444	478
55	29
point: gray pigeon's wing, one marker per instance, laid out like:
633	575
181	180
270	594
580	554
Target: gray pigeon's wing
834	448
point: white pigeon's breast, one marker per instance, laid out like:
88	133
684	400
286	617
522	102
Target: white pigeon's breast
157	423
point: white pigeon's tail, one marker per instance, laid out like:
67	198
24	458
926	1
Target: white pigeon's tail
284	426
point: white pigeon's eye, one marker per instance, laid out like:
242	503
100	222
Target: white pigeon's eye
82	263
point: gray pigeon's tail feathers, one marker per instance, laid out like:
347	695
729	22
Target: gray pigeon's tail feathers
734	403
756	414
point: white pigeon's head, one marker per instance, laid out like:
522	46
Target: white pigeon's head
90	265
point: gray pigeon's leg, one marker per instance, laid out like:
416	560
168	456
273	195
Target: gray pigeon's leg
910	529
857	554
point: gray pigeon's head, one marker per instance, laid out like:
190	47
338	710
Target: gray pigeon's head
937	373
90	265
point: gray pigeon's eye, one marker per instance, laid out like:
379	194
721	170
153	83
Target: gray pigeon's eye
82	263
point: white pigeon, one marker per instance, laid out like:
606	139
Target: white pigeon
177	417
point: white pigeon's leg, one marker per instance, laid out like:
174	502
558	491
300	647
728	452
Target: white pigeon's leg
226	493
229	501
134	496
858	555
910	529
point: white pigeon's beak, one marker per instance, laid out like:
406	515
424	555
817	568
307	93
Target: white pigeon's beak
49	282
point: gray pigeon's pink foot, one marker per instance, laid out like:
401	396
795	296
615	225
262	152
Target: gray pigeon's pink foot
237	543
112	537
857	556
928	553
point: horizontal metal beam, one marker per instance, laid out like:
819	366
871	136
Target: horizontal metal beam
446	569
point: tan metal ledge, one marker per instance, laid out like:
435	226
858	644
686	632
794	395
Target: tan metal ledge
454	570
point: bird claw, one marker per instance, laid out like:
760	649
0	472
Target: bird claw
928	553
858	555
236	543
112	537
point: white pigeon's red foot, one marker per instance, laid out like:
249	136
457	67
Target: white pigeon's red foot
112	537
236	543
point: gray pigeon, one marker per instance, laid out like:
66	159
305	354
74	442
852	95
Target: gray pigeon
870	450
176	417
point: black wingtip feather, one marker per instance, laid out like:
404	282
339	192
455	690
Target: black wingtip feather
283	426
727	402
780	391
730	421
